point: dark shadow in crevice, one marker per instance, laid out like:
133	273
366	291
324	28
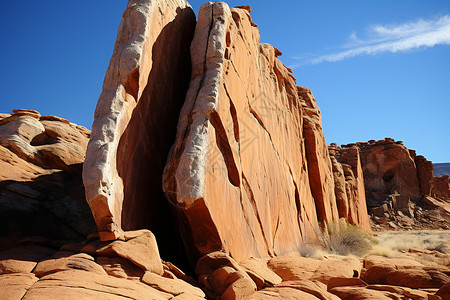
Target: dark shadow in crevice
148	137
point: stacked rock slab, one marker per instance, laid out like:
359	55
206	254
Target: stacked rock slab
237	174
41	192
349	185
320	169
136	116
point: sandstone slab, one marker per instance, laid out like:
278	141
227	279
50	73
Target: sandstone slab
75	284
141	250
175	287
361	293
120	267
295	267
14	286
260	269
80	261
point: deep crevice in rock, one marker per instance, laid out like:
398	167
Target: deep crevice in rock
146	141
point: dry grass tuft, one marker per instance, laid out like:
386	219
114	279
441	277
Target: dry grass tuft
344	239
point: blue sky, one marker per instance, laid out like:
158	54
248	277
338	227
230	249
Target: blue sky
377	68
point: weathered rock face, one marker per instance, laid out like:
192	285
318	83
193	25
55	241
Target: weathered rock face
41	192
237	175
320	168
401	190
424	172
349	185
249	155
135	120
388	168
440	187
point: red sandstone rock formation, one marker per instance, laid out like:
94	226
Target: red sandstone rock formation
401	190
249	156
320	168
41	192
349	185
135	121
237	175
389	168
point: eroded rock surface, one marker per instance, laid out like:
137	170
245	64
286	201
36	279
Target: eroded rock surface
400	188
41	192
135	119
237	175
320	168
349	185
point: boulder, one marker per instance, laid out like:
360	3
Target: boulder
141	251
417	278
175	287
258	268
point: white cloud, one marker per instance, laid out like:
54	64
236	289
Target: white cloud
393	39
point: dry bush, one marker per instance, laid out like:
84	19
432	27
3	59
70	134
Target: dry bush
345	239
311	251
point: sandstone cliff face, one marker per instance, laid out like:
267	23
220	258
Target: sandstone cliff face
237	174
401	190
135	119
320	168
41	192
349	185
388	168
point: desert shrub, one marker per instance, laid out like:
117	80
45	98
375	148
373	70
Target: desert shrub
345	239
311	251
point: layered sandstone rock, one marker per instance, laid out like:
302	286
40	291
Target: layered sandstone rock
135	121
35	269
320	168
237	174
349	185
41	192
388	168
401	190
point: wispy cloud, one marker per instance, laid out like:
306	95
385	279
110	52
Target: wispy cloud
391	38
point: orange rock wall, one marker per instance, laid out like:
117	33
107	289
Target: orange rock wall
135	118
320	168
388	167
349	185
237	174
249	173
